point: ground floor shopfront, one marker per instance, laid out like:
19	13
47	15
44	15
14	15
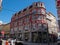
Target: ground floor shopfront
37	37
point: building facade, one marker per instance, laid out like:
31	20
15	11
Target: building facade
58	14
52	23
30	24
52	26
58	11
5	30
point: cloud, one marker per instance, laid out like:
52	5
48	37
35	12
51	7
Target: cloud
1	22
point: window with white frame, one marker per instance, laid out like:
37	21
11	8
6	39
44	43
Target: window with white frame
34	17
20	22
39	26
38	11
20	27
26	27
39	17
27	19
45	26
34	11
15	23
15	29
34	26
12	31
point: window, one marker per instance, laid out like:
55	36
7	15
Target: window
38	11
40	26
39	17
15	29
27	19
44	27
41	4
58	3
12	31
15	23
26	27
42	11
34	37
20	22
38	5
20	27
34	17
26	36
34	11
34	26
49	22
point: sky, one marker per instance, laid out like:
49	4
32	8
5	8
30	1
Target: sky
10	7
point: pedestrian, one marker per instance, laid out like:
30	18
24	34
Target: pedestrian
6	42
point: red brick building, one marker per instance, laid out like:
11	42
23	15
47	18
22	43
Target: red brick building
30	24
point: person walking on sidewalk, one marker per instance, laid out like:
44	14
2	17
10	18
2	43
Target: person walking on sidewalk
6	42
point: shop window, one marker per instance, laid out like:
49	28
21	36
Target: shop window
44	40
20	36
26	36
34	37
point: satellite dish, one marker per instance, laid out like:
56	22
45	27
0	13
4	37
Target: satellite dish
0	4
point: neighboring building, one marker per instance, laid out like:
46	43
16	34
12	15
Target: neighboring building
58	11
5	28
31	24
52	23
1	27
52	26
